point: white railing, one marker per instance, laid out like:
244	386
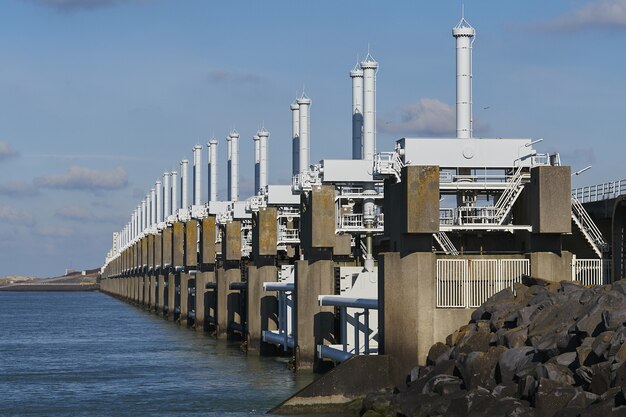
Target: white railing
388	163
467	283
351	221
354	313
588	227
600	192
591	271
445	243
289	236
286	315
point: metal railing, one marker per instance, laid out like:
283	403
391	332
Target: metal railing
591	271
588	227
446	244
354	312
388	163
286	315
467	283
288	235
600	192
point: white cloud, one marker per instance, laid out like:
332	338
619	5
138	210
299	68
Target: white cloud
80	178
82	214
427	117
6	151
596	14
12	215
72	5
18	189
54	231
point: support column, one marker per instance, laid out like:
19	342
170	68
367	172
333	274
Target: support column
314	324
406	312
171	296
201	280
161	292
225	296
262	308
184	299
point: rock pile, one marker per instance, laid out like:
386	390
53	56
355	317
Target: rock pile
549	349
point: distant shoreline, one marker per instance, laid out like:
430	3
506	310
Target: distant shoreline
50	287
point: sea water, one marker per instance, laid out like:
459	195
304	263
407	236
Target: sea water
88	354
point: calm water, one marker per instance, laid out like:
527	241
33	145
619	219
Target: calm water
88	354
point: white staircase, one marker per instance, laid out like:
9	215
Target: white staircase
446	244
588	228
509	196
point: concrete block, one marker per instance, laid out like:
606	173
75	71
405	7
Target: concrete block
144	252
184	299
201	303
171	296
549	199
158	250
150	250
551	266
167	247
231	241
161	293
406	307
152	293
314	324
262	306
178	244
343	245
225	313
191	243
207	240
264	232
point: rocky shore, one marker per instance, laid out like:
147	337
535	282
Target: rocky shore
548	349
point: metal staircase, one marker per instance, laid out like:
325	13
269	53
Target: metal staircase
509	196
388	163
588	228
446	244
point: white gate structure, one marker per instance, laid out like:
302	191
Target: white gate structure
467	283
591	271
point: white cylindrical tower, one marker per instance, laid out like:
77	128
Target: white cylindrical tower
175	205
184	199
159	202
153	207
304	129
167	196
197	175
357	112
295	138
257	168
229	149
212	169
142	217
234	166
138	221
464	34
263	157
369	67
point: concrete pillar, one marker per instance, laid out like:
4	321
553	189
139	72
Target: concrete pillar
160	304
226	300
406	293
314	324
262	307
153	292
191	244
201	293
184	299
146	290
171	296
551	266
178	244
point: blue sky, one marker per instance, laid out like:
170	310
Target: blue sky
99	97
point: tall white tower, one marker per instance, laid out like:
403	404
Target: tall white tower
464	34
197	175
159	201
357	108
369	67
295	138
167	196
212	169
263	161
184	199
234	166
304	125
175	205
257	167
